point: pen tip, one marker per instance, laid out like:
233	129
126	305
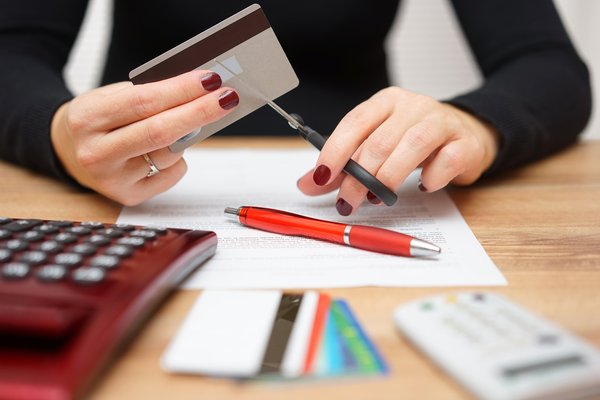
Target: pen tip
421	248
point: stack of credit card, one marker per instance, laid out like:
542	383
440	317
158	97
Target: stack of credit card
258	334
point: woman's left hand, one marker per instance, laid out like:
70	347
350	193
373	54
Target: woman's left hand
391	134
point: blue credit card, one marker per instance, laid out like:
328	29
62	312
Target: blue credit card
330	360
346	349
361	346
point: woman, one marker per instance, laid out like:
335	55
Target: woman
534	101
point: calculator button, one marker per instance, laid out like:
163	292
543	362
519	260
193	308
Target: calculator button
132	241
144	233
98	240
158	229
104	261
88	275
65	238
33	257
68	259
21	225
452	299
31	236
47	228
15	270
119	250
92	224
61	224
51	273
479	297
78	230
16	244
4	234
111	232
124	227
547	339
85	249
4	220
50	246
5	255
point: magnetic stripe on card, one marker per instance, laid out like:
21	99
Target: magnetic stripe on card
283	325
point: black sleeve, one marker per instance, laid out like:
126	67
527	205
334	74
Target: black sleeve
537	90
36	37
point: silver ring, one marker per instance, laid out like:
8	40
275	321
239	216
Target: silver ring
153	169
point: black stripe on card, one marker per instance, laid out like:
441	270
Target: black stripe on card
280	334
204	50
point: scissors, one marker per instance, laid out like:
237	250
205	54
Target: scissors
383	193
352	167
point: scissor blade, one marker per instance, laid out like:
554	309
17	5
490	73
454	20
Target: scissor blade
291	120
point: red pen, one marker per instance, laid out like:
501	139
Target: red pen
359	236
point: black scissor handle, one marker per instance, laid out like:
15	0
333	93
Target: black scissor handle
352	168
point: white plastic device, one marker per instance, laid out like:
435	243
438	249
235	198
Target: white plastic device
498	350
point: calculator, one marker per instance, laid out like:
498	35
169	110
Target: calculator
499	350
72	293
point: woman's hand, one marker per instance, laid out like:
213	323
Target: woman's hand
101	136
390	135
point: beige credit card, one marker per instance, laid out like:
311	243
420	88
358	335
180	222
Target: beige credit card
244	51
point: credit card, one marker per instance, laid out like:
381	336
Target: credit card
317	334
225	334
330	358
358	343
295	353
242	46
244	334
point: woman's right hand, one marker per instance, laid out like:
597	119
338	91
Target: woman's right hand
101	136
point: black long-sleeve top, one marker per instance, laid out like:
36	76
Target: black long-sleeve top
536	91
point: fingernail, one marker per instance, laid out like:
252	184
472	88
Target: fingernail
321	175
372	198
229	99
211	81
343	207
422	188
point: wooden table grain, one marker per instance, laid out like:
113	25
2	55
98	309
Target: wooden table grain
540	224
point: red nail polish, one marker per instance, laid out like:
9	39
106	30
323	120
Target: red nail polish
228	99
343	207
321	175
211	81
372	198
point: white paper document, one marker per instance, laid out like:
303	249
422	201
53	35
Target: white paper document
249	258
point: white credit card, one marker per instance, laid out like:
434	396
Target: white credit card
242	334
244	51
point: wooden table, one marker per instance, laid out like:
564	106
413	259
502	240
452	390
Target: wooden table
540	225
